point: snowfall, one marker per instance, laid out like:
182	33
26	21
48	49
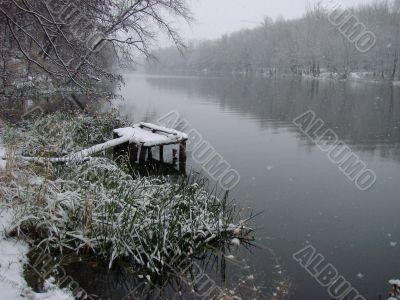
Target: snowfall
13	256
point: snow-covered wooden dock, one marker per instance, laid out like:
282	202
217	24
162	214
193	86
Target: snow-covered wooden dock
139	140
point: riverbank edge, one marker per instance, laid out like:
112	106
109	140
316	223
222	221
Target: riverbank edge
354	76
13	257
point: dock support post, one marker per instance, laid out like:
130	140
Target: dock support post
133	152
174	157
182	156
182	152
149	154
142	157
161	153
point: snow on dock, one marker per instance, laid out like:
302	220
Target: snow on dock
136	140
143	137
150	135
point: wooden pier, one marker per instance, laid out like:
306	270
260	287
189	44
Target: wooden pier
137	142
141	139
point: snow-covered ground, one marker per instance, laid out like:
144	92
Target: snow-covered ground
352	76
12	259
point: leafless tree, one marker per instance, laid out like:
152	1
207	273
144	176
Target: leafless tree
80	40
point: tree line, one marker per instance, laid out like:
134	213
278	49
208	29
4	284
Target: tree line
310	45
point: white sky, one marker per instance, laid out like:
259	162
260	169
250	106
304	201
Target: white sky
216	17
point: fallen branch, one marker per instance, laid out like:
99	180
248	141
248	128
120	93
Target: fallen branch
79	156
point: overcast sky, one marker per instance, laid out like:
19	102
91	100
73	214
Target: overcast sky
216	17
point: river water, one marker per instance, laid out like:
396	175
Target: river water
304	197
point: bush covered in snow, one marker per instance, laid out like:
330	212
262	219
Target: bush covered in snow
62	133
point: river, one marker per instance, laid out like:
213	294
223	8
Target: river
304	198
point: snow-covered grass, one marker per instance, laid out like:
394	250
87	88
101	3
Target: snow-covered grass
62	133
98	207
13	256
13	252
2	155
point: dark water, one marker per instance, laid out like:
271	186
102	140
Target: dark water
305	198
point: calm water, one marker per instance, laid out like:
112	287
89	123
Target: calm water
305	198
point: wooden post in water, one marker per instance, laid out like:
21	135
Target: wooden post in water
182	156
174	158
149	154
161	153
142	156
133	150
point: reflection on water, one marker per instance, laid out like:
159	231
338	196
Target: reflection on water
210	273
366	116
304	197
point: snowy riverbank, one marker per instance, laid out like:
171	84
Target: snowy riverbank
352	76
13	257
98	208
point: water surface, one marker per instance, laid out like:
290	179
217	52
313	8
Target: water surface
305	198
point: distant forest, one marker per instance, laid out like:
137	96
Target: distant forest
308	46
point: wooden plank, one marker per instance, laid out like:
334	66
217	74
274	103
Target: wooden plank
156	128
151	137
